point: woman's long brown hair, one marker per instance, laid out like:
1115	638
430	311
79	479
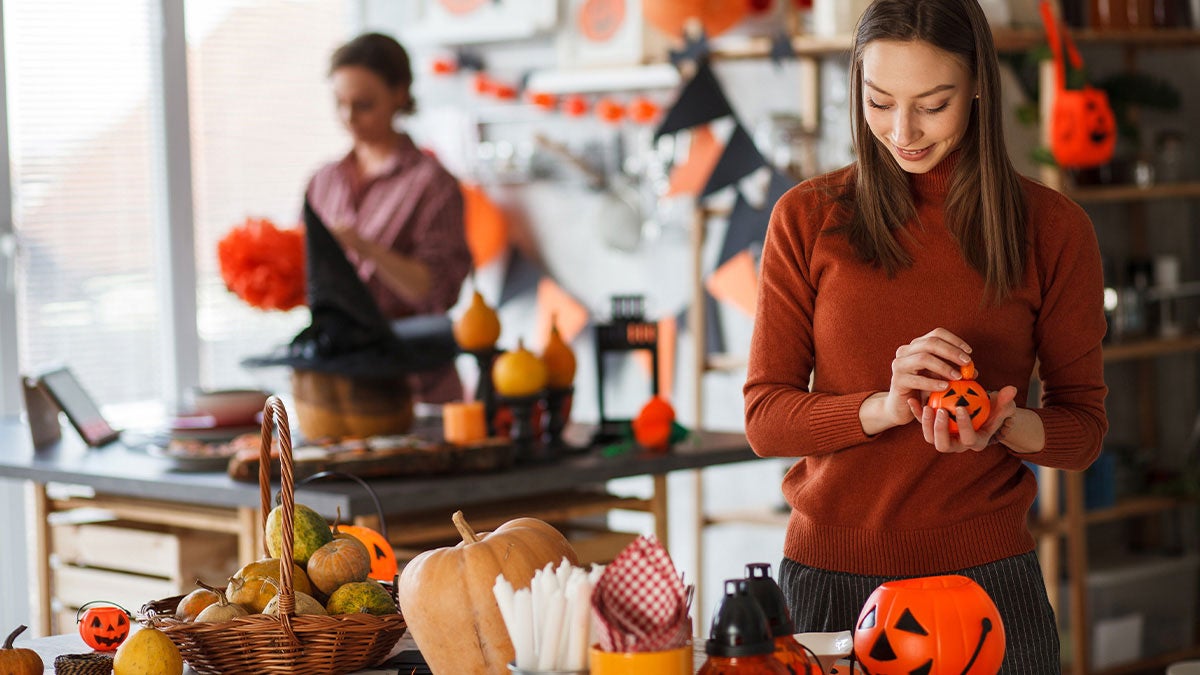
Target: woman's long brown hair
985	208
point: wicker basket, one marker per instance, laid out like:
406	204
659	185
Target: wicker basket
95	663
268	645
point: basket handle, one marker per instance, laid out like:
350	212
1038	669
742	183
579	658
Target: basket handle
275	420
365	486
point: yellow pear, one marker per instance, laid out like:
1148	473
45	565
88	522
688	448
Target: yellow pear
148	652
478	327
559	360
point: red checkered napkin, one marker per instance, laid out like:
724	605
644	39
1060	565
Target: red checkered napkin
640	603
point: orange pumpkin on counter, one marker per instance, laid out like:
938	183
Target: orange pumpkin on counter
19	661
447	599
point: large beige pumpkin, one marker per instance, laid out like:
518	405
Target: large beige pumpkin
446	594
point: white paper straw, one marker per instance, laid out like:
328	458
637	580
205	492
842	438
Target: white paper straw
552	624
504	600
580	622
522	633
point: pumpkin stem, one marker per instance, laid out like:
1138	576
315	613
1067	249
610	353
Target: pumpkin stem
222	599
336	521
8	644
464	530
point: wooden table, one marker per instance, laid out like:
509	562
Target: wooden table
138	487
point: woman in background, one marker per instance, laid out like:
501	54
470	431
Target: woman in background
880	282
396	211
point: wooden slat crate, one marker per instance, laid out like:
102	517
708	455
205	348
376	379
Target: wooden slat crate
132	563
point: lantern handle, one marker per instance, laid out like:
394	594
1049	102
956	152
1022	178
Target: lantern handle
365	485
79	612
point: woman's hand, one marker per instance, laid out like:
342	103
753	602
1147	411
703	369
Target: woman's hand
927	364
936	424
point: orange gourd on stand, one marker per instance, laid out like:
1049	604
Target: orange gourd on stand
518	373
446	594
652	426
19	661
942	625
479	327
559	360
965	393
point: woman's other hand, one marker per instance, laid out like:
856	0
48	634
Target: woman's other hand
927	364
935	424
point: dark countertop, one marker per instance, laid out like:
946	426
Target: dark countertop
118	470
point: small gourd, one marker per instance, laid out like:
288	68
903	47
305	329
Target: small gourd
478	328
518	373
341	561
193	603
559	360
19	661
653	424
303	604
965	393
221	610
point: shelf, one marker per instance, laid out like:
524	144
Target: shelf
1133	193
726	362
1133	507
651	76
1006	40
1125	351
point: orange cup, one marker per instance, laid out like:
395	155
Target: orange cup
669	662
463	423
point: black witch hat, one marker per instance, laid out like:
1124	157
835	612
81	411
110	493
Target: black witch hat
348	335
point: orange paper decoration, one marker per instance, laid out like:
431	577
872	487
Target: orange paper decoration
690	177
609	110
264	265
554	305
673	16
736	282
575	106
486	226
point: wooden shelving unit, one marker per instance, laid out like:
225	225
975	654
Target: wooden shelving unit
1144	349
1133	193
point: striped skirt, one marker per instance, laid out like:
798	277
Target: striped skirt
820	600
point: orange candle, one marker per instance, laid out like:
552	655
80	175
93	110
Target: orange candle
463	423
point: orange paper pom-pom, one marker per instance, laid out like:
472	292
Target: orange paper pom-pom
264	265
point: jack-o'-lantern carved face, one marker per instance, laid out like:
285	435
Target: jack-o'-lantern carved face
944	625
104	628
1083	130
964	393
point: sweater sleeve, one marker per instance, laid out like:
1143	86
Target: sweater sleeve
440	243
1068	331
783	417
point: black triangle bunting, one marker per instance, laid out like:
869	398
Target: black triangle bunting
701	100
740	158
521	276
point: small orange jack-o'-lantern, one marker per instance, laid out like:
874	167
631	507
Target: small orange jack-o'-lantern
943	625
964	393
383	558
1083	131
103	627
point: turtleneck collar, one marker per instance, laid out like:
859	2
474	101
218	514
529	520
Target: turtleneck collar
935	183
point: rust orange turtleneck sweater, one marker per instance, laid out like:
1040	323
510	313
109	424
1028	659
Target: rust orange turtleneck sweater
890	504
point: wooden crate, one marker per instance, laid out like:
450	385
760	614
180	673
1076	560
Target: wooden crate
132	563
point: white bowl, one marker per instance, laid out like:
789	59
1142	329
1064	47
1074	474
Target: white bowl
229	406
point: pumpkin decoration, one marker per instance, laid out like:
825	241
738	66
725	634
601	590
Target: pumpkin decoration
18	661
446	593
221	610
383	557
963	393
652	426
478	328
341	561
103	627
1083	128
672	16
941	625
559	360
518	373
366	597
